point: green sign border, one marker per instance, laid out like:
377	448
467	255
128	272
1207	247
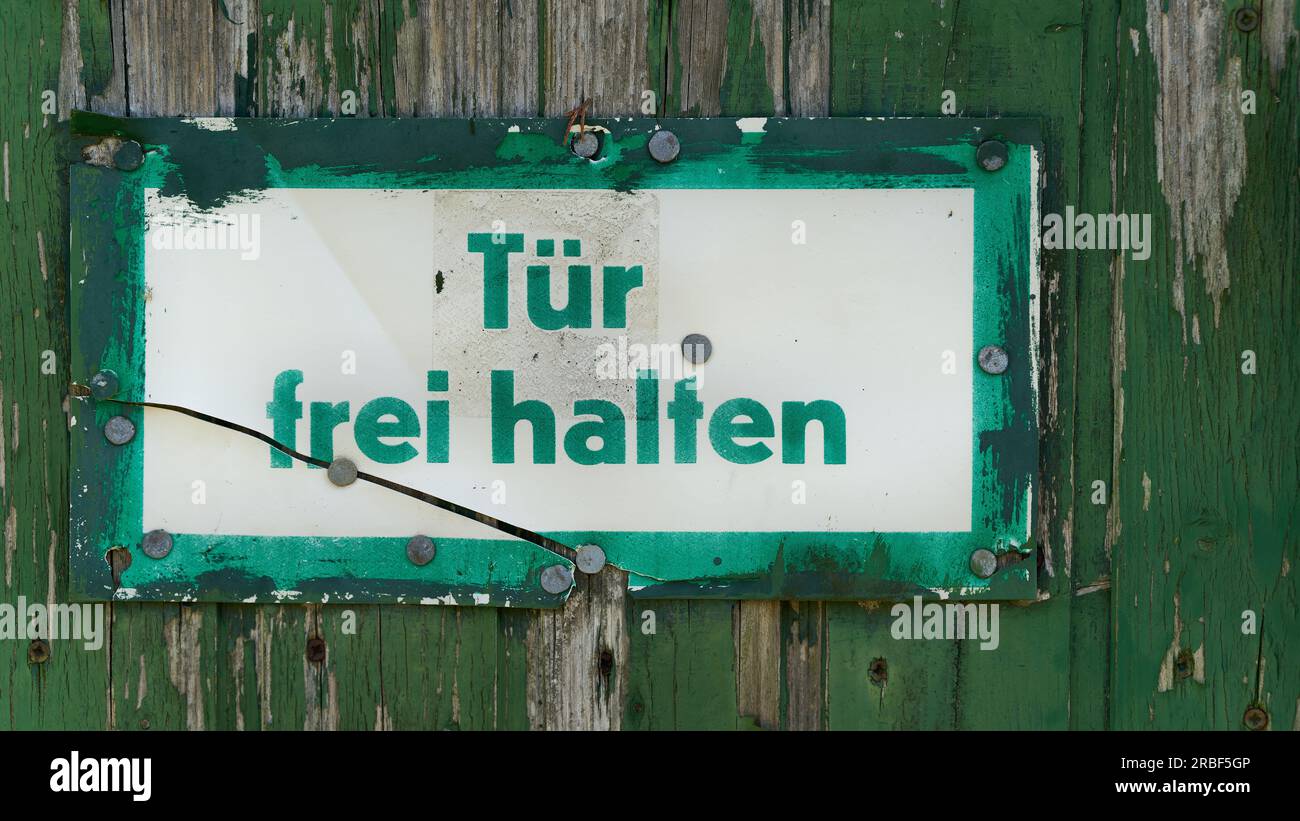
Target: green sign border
211	161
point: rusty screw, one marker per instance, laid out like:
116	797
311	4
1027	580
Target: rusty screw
38	652
1256	718
1246	19
1184	663
315	649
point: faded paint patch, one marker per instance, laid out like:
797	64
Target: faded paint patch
212	123
1200	138
185	662
1277	33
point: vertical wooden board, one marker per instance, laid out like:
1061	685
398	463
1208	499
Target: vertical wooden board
577	657
877	682
442	667
1085	398
164	661
439	667
682	675
443	58
1025	59
726	57
891	59
597	51
69	690
1206	490
306	56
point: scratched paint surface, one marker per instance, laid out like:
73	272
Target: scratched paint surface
1141	388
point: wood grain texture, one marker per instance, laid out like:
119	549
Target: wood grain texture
1138	622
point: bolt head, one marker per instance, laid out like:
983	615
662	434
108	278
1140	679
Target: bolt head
984	563
119	430
591	558
1256	718
156	544
129	156
103	385
697	348
663	146
1246	19
993	359
991	155
38	652
420	550
586	145
342	472
556	579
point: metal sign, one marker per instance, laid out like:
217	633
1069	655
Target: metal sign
437	361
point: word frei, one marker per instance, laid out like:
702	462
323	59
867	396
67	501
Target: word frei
386	429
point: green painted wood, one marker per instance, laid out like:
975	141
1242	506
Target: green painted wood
1199	519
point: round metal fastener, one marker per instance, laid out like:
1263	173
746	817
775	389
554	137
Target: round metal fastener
590	558
342	472
129	156
991	155
586	145
983	563
156	544
697	348
119	430
1255	718
103	384
556	579
38	652
663	146
1246	19
420	550
993	359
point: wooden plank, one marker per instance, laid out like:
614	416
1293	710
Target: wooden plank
1205	497
1200	509
69	689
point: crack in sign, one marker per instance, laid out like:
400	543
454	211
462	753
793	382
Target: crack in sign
544	542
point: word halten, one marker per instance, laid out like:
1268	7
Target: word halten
951	621
1113	232
392	419
77	774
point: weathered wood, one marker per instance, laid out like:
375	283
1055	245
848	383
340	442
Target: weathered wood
1139	622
